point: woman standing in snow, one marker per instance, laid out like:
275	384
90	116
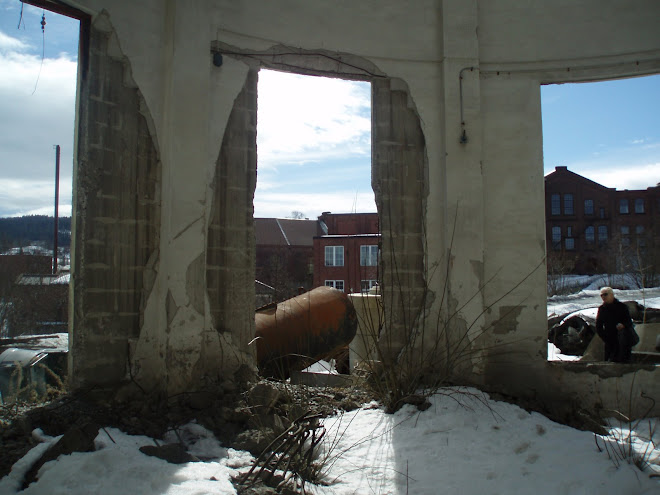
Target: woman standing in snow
613	325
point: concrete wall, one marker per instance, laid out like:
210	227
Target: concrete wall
457	163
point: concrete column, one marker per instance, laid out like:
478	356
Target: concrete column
455	214
116	216
192	338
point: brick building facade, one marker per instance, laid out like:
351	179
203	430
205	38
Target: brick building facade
346	256
32	300
284	254
591	228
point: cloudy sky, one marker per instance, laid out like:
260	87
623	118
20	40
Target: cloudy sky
313	133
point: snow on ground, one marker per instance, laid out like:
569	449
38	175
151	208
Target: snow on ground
554	354
590	299
465	443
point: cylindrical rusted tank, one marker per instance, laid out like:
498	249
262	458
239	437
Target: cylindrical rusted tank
297	332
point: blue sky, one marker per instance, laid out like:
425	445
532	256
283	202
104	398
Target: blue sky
313	133
608	131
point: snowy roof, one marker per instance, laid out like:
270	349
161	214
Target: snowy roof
29	250
53	342
43	279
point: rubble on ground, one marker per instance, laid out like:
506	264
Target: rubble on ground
247	420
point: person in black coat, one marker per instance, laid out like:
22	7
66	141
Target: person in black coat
613	324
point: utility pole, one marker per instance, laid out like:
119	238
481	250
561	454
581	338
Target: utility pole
57	201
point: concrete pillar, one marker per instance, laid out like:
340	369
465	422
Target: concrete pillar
200	316
457	209
116	221
399	180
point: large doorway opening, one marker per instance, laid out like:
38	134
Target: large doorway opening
601	145
39	63
313	180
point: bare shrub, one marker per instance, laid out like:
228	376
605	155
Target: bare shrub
435	343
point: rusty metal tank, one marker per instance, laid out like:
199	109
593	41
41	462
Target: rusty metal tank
296	333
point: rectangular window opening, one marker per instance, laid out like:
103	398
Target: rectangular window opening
568	204
299	142
334	256
588	206
369	255
598	179
337	284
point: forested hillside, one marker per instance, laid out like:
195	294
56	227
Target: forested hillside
33	229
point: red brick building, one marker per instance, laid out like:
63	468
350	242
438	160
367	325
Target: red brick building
40	304
346	255
591	228
12	265
284	254
32	301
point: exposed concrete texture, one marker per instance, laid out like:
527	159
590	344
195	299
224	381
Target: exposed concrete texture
117	215
399	171
457	171
230	258
370	315
649	337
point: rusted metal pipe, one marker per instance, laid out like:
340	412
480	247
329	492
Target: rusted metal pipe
296	333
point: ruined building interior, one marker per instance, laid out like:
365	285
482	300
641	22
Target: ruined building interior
166	162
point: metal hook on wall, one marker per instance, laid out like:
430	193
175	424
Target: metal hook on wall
463	139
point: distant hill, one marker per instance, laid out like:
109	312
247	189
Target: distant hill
33	229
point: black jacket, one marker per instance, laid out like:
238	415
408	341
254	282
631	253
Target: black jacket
617	343
609	315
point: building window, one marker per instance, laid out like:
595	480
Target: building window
555	204
589	234
556	237
366	285
623	206
601	212
602	234
568	204
334	256
569	242
625	232
368	255
639	230
337	284
588	206
639	205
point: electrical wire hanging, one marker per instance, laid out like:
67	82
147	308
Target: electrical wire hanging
43	48
20	18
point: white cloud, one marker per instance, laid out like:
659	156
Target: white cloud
304	119
313	138
632	166
31	123
280	205
33	197
630	177
8	43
